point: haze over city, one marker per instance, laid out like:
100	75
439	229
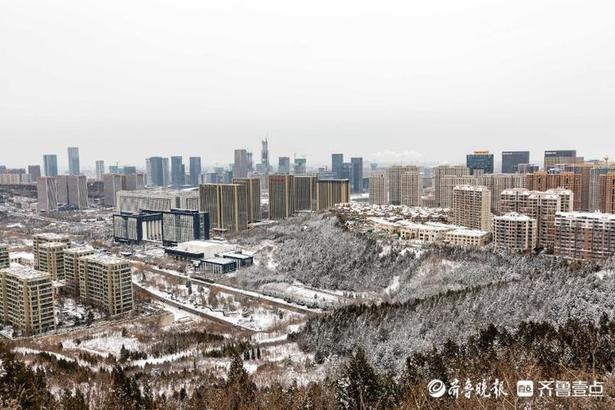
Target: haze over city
410	82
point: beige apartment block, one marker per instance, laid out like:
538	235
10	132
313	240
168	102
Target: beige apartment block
515	231
472	207
106	281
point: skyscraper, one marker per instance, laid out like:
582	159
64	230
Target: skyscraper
253	186
337	161
242	165
265	155
480	161
394	178
357	174
195	170
300	166
472	207
227	205
410	187
560	157
281	196
305	187
378	190
512	159
439	173
47	194
50	162
156	173
35	172
100	169
178	171
284	165
331	192
73	161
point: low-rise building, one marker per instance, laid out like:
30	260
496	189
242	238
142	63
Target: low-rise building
219	265
467	237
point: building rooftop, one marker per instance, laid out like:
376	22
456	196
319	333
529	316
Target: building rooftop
219	261
25	272
53	245
105	259
468	232
477	188
51	237
79	250
596	216
513	216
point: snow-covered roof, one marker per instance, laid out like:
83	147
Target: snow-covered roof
597	216
105	259
25	272
468	232
53	245
513	216
477	188
49	236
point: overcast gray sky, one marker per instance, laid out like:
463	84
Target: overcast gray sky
387	80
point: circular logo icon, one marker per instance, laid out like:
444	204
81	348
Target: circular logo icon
436	388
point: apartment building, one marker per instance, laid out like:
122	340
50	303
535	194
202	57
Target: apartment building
26	300
253	186
157	200
378	189
472	207
439	173
543	181
411	187
305	192
395	182
105	281
332	192
51	259
607	193
515	231
4	257
281	196
47	193
227	206
71	266
584	235
42	238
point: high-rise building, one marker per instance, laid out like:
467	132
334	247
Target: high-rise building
410	187
253	186
300	166
281	196
265	155
50	259
71	266
227	206
47	193
394	178
183	225
512	159
77	191
337	161
133	182
283	165
527	168
582	171
596	185
607	190
50	162
43	238
156	173
378	190
540	205
242	164
438	173
100	169
73	161
480	162
178	171
542	181
305	192
113	183
4	257
106	281
357	174
515	231
332	192
554	158
26	300
195	170
584	235
35	172
472	207
156	200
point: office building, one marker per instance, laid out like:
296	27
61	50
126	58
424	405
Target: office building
242	164
35	172
283	165
47	194
332	192
133	182
378	188
607	191
410	187
480	162
337	161
105	281
184	225
157	171
26	300
100	170
300	166
265	157
305	187
357	174
584	235
157	200
4	256
71	266
50	163
178	172
227	206
472	207
73	161
281	196
394	179
195	171
50	259
515	231
439	173
253	186
512	159
134	227
555	158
